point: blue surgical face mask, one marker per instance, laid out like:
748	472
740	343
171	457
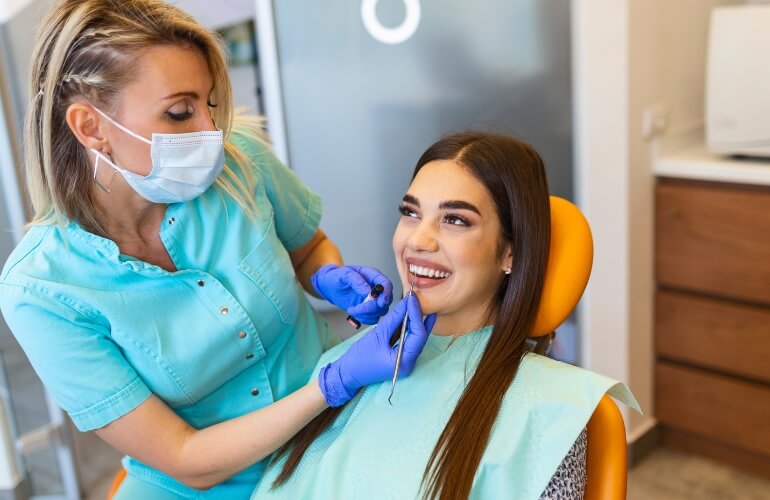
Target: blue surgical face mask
183	165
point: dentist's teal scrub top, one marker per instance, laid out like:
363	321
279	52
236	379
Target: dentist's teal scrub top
230	332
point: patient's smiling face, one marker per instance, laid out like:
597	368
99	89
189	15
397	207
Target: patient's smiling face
448	241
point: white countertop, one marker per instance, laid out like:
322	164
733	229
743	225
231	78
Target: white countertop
695	162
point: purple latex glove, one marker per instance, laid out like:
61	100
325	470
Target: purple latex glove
347	287
372	359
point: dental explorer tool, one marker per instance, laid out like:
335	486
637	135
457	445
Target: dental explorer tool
401	344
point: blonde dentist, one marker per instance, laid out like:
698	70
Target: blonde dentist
159	290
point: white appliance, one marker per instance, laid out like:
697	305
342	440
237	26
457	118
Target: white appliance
738	81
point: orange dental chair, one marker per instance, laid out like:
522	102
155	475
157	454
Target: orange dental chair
569	266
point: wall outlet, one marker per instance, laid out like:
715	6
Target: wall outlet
654	120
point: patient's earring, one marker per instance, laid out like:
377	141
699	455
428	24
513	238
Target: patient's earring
508	271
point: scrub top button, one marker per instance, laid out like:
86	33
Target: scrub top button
171	220
254	392
224	310
249	356
242	335
201	283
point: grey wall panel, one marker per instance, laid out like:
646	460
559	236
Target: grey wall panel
359	112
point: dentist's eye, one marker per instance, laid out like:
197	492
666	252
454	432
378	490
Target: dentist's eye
456	220
406	211
180	112
179	117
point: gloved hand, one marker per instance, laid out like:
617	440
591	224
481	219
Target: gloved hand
372	359
347	287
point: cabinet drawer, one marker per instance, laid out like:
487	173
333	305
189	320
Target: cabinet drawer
713	238
730	411
727	336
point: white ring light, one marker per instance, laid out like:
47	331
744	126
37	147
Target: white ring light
391	36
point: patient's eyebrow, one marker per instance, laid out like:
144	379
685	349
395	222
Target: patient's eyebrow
458	205
444	205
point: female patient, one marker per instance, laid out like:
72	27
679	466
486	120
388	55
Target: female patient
480	416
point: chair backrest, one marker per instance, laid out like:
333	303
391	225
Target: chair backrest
116	482
569	266
606	463
570	258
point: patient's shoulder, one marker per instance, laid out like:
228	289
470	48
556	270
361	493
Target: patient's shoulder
535	367
543	379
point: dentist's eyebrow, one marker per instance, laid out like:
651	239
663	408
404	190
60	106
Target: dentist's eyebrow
458	205
194	95
408	198
190	93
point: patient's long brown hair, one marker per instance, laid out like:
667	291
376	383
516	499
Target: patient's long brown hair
514	175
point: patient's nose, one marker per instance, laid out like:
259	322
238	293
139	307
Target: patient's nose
423	239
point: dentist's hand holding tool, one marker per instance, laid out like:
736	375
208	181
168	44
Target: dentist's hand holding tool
372	358
348	287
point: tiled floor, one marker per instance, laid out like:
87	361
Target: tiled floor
672	475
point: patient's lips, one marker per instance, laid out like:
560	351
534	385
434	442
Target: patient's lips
425	273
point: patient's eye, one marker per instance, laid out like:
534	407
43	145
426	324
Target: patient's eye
456	220
406	211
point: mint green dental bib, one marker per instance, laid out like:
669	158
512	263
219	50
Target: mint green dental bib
378	451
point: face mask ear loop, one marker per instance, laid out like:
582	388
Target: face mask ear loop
121	127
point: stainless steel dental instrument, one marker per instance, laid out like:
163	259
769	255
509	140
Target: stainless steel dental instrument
400	345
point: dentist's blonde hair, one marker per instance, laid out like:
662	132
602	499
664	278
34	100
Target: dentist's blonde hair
88	49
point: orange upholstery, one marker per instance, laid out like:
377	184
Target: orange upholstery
116	483
606	456
569	266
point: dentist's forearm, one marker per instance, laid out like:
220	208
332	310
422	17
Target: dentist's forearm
216	453
316	253
201	458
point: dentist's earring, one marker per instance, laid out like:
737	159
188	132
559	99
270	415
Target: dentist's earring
508	271
104	188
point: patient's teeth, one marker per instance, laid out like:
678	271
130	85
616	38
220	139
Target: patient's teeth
427	272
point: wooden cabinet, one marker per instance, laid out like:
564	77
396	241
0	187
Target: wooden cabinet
712	320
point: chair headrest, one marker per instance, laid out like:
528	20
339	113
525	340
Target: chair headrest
569	265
